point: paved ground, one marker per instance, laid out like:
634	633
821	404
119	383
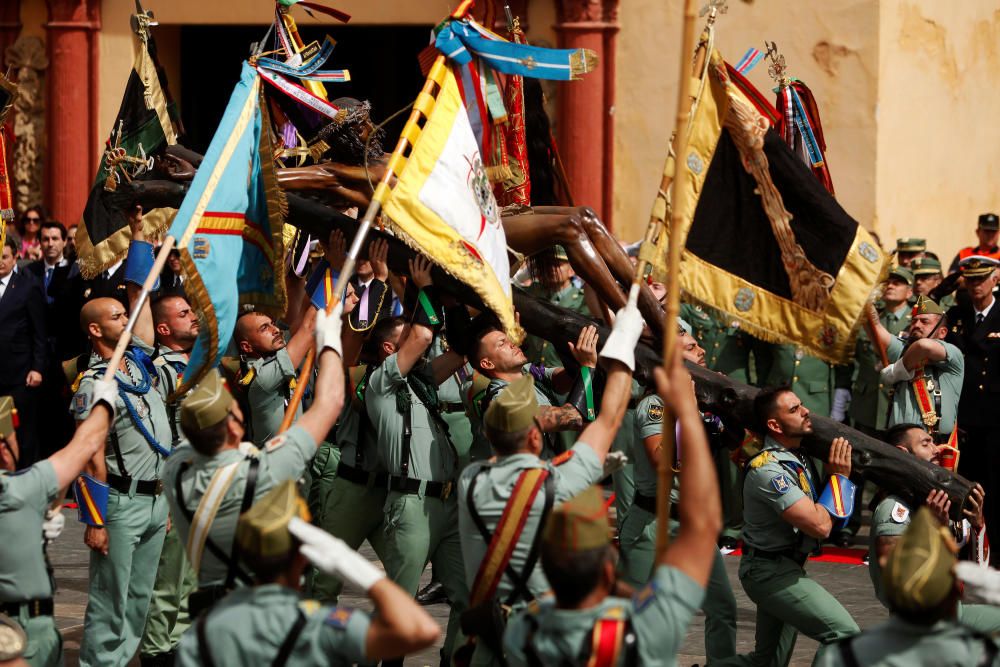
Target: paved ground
849	583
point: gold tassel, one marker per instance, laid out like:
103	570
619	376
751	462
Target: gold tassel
582	61
317	149
499	173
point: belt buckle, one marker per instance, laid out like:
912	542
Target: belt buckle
158	488
446	491
35	608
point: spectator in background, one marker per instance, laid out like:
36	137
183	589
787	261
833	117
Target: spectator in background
28	227
70	251
22	339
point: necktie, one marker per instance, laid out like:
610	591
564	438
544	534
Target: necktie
979	318
363	304
48	281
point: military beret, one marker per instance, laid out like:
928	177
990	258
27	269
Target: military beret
207	404
975	266
902	273
925	266
580	523
911	245
989	221
559	253
8	416
515	407
926	306
684	326
262	531
919	573
13	639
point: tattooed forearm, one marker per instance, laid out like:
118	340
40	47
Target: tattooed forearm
565	418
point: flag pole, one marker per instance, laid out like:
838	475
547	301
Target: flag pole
362	234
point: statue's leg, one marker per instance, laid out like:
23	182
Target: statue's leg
614	256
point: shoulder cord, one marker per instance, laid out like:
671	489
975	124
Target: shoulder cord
139	389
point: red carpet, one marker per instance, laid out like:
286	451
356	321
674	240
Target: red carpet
850	556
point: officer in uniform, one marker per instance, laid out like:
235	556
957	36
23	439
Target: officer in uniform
26	587
927	276
578	562
922	591
975	329
270	623
215	476
638	534
909	249
176	327
892	516
421	510
126	535
988	233
925	373
560	290
786	517
514	492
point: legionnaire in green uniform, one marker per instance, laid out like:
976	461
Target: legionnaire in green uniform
785	519
909	249
922	591
503	502
824	388
578	562
270	623
892	516
25	587
638	534
176	326
503	362
421	510
216	476
927	275
560	290
128	539
926	372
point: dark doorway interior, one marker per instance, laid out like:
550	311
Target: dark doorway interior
382	61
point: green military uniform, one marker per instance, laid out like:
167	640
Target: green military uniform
812	380
352	510
544	394
638	539
771	569
623	479
271	383
929	266
538	350
943	377
450	394
651	626
168	615
255	625
486	487
890	519
421	510
919	582
870	398
121	583
727	347
24	498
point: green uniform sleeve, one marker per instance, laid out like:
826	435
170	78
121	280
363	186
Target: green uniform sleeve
662	611
954	361
775	485
649	417
514	638
894	350
79	407
582	470
344	635
274	373
890	518
32	487
386	378
287	455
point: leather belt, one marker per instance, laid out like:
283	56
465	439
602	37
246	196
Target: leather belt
378	480
791	554
143	487
648	503
410	485
34	608
451	407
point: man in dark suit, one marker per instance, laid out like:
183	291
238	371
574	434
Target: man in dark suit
22	339
975	329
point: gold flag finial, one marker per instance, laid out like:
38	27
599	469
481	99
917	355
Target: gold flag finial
777	69
713	9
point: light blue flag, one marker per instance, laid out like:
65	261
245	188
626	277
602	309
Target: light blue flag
229	226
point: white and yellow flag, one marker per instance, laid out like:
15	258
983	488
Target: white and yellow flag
442	204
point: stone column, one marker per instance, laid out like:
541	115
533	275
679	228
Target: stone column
585	129
72	106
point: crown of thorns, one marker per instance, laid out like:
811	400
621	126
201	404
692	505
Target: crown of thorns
346	116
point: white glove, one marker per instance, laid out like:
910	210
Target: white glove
106	391
333	556
841	400
624	336
982	583
614	462
895	372
53	525
328	330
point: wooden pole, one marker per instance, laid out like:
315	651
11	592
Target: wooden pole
366	224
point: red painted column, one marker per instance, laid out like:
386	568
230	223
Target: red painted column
586	135
72	93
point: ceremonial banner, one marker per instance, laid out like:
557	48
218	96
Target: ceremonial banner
765	242
229	226
442	204
8	93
